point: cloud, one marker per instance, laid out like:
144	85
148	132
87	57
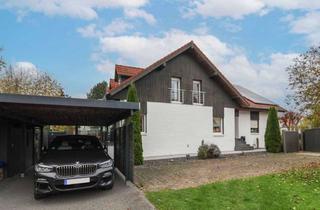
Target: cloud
238	9
25	67
143	50
105	66
268	77
308	25
233	28
202	29
89	31
139	13
116	27
293	4
83	9
231	8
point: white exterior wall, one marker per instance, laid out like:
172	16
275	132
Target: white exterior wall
226	142
178	129
244	127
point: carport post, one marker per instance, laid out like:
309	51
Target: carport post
76	130
129	151
41	138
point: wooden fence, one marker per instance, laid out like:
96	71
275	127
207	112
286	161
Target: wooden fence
290	141
311	140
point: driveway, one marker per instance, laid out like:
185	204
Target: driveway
157	175
17	193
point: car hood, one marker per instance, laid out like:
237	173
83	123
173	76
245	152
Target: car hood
71	157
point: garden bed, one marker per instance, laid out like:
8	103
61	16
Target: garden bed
177	174
297	188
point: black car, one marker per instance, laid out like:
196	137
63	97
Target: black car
73	162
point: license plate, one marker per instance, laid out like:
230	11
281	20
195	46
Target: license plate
76	181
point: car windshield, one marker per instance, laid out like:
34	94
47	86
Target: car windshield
75	143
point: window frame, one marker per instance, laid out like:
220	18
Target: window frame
178	93
221	126
254	119
198	92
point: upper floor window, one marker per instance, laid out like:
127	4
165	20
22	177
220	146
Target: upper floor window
254	122
197	94
218	125
176	93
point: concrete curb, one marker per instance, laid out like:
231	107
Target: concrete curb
141	194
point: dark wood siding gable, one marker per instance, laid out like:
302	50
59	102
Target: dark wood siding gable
154	87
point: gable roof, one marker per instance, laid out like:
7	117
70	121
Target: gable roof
200	56
127	70
113	84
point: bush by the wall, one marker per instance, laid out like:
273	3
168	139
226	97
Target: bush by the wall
272	135
208	151
203	151
213	151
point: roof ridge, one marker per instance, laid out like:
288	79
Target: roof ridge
128	66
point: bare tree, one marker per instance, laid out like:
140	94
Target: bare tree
27	82
2	62
304	79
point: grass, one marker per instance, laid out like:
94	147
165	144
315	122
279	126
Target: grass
295	189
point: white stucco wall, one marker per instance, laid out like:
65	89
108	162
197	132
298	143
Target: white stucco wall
178	129
226	142
244	127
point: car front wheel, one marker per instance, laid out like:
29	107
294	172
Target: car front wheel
110	186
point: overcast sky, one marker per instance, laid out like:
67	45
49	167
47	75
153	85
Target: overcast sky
79	41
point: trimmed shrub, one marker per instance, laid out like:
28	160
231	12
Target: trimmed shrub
208	151
213	151
203	151
272	135
136	122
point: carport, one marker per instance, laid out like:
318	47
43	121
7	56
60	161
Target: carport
22	115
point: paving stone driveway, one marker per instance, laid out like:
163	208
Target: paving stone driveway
155	176
17	193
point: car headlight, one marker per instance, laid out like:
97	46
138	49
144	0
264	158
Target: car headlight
106	164
40	168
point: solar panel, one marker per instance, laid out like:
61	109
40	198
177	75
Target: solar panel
252	96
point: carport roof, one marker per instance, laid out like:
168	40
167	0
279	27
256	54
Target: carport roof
44	110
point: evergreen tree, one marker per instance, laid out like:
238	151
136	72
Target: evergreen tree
272	135
136	122
98	91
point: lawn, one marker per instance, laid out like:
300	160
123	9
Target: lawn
294	189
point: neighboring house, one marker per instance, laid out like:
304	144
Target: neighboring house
185	99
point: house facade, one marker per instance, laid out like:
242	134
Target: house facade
185	99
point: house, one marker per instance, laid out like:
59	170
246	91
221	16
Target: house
185	99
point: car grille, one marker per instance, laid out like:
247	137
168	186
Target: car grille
78	169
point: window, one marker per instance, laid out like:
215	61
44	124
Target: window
254	122
197	95
176	95
217	125
144	123
75	143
